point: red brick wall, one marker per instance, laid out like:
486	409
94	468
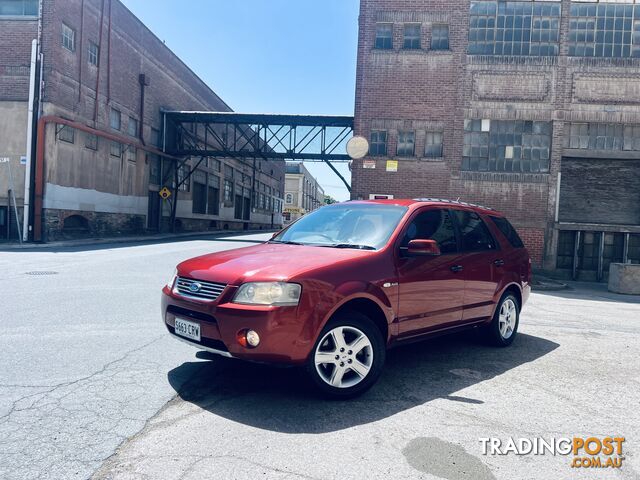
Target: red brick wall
432	91
534	241
15	58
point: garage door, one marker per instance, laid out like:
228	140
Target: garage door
600	191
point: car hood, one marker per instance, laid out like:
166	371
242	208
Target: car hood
265	262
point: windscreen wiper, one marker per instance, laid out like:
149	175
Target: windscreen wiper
351	245
284	242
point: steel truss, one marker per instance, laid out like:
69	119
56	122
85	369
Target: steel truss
306	138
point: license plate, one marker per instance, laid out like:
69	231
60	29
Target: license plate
187	329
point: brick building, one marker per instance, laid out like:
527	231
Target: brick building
102	162
302	193
530	107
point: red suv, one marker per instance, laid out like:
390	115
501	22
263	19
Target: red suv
334	290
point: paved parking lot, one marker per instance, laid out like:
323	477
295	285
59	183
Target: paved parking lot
91	385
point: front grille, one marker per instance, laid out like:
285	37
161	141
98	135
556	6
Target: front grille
204	291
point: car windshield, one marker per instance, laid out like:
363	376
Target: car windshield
347	225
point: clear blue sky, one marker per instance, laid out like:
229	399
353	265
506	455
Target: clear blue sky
267	56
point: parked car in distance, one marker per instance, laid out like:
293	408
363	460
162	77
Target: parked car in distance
334	290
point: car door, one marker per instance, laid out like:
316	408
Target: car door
480	255
430	287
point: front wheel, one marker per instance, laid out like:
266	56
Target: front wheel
503	329
348	356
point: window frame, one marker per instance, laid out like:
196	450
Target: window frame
112	112
383	45
398	151
434	132
377	152
461	248
23	4
92	56
440	45
66	39
399	240
412	39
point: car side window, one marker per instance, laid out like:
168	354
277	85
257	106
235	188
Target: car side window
433	225
475	234
508	231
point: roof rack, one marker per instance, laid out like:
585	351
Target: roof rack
456	202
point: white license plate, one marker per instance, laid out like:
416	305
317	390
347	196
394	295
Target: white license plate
187	329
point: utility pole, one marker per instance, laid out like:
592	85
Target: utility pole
7	160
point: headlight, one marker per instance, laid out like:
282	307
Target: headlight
268	293
173	279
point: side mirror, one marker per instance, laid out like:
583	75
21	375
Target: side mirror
423	248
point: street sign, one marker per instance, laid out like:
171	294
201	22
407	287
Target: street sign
165	193
5	159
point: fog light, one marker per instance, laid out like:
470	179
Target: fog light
248	338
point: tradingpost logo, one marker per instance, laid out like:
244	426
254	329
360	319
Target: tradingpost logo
586	452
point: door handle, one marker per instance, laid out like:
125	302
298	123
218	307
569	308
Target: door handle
457	268
499	263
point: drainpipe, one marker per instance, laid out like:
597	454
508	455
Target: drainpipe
144	81
27	176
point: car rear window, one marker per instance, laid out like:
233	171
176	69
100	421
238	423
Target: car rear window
508	231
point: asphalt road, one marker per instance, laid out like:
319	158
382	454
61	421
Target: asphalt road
91	385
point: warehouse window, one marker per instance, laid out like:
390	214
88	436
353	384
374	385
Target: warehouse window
378	143
115	150
406	144
199	192
228	191
155	137
66	133
384	36
633	250
133	127
412	36
155	169
514	28
68	38
604	30
131	154
91	141
18	8
93	54
433	145
506	146
115	119
440	37
602	136
183	180
213	196
566	246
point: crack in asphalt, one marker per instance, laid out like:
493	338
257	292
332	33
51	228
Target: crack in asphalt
55	387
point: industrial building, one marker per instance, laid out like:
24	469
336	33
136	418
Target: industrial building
530	107
302	193
92	159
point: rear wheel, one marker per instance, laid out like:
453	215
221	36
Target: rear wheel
348	356
504	327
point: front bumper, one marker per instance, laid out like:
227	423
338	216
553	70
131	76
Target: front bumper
285	337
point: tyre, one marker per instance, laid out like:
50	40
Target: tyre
347	357
503	328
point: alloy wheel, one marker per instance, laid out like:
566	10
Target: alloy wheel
344	357
507	318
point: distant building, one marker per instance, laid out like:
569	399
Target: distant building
530	107
303	193
108	75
